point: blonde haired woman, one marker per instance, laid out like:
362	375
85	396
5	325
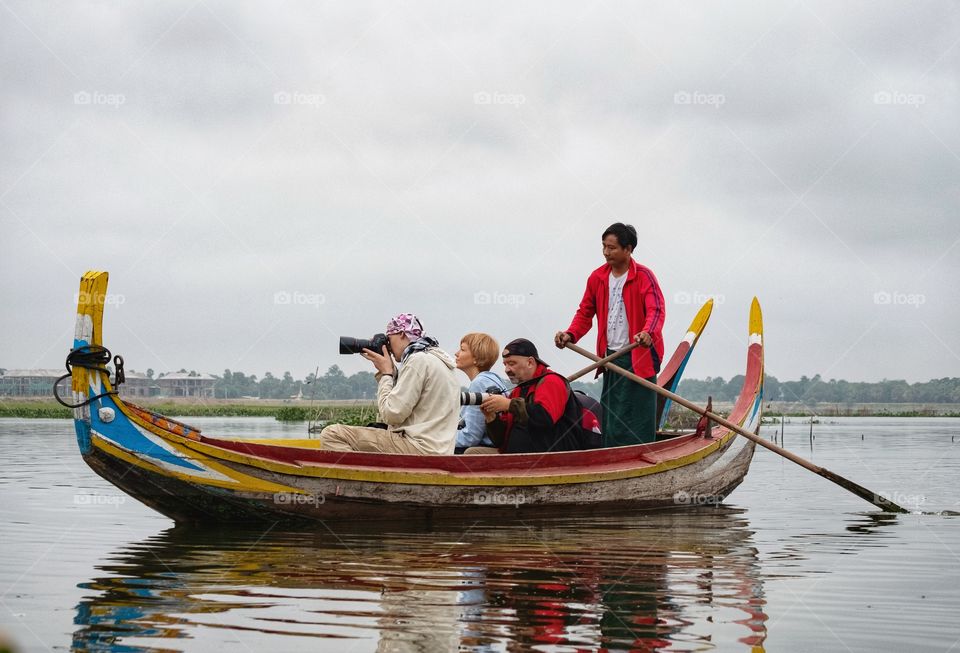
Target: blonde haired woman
477	354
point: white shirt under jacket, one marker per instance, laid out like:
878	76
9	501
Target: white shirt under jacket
618	335
424	401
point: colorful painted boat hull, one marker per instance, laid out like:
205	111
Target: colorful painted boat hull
190	477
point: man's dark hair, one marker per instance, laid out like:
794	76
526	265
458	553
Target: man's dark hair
625	233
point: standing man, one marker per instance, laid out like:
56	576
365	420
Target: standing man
628	303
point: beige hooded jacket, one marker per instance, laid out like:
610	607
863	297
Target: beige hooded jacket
423	402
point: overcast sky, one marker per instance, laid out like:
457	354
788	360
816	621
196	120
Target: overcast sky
261	178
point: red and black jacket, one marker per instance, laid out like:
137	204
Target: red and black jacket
543	416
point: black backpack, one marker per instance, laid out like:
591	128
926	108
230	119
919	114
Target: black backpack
589	415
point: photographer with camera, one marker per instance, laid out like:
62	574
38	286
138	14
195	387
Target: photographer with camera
477	354
417	404
540	414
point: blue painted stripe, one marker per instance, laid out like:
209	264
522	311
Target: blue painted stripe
123	432
674	384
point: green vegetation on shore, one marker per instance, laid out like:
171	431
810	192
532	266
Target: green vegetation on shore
353	414
361	414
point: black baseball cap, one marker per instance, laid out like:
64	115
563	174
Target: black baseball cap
522	347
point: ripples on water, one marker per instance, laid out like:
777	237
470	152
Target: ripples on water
790	564
621	583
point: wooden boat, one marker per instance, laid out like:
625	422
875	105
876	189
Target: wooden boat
192	477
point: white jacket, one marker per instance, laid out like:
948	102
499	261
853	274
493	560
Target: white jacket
424	401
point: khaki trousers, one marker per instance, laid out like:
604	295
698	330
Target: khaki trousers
341	437
481	451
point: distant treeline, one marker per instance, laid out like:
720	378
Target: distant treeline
817	390
334	384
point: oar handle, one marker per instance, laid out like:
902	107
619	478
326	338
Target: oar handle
859	490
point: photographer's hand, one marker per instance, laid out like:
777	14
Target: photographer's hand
495	404
382	362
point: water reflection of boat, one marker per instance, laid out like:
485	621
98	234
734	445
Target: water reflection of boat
638	582
191	477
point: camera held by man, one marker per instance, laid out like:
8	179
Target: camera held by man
350	345
417	403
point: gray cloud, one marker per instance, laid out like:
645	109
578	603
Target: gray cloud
420	156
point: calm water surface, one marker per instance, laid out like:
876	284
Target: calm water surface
790	563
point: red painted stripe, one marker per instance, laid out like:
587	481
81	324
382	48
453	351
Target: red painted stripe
673	365
632	457
750	382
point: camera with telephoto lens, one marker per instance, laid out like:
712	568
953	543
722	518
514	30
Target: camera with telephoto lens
350	345
477	398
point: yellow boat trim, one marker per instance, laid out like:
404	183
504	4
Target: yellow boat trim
93	292
301	443
243	482
756	317
701	318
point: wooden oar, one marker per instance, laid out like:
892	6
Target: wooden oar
859	490
603	361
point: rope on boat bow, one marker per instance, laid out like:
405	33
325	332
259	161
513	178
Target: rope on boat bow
91	357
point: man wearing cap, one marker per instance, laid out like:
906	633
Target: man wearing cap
627	300
540	414
420	403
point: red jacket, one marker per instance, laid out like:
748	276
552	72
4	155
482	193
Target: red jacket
542	416
646	311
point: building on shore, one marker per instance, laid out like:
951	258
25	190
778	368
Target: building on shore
39	383
34	383
184	384
138	384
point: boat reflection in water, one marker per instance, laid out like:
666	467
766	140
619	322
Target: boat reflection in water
685	580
